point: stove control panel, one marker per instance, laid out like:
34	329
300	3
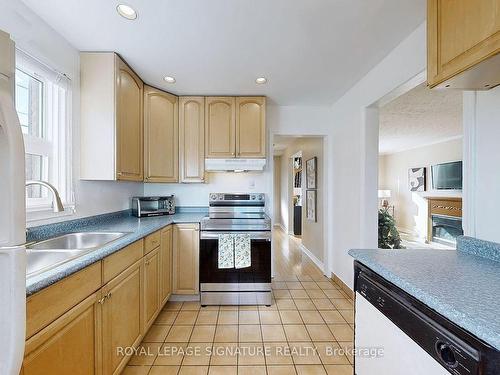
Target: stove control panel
240	197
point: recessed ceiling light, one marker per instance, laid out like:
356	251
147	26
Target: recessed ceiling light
261	80
169	79
126	11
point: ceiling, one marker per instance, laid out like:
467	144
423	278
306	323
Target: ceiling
420	117
311	51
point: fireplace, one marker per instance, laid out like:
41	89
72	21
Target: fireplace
445	220
446	229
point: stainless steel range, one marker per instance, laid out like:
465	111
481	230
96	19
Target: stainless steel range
236	214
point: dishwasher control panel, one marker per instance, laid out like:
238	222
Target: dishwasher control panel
455	349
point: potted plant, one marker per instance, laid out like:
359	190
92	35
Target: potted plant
388	235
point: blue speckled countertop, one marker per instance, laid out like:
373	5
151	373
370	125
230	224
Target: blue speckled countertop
461	285
116	222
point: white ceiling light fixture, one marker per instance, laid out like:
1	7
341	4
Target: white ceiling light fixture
126	11
261	81
169	79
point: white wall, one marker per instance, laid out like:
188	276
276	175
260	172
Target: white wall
217	182
411	211
482	164
35	37
355	151
277	188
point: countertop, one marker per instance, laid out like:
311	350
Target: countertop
461	285
116	222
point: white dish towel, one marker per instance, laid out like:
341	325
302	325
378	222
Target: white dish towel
226	251
242	253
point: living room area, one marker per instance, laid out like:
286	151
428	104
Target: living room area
420	170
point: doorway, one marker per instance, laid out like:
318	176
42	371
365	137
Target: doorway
299	200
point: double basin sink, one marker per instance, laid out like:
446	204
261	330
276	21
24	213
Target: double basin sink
47	254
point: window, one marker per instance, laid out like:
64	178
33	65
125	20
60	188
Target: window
43	104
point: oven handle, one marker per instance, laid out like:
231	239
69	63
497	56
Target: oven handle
213	235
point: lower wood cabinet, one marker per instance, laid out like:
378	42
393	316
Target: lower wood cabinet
186	251
165	265
151	287
121	317
87	323
69	345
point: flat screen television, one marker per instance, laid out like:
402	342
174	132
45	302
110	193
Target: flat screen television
447	176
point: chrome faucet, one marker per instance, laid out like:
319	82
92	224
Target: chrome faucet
57	205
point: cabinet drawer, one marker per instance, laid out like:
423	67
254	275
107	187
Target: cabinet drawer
44	307
114	264
152	242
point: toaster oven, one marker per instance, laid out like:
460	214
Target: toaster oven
153	206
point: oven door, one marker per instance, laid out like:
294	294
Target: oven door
259	271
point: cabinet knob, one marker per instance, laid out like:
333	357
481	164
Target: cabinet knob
108	295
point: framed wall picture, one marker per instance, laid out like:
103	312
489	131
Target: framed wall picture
311	205
311	179
416	179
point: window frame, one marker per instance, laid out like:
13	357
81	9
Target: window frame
56	136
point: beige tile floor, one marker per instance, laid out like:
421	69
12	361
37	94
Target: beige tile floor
306	330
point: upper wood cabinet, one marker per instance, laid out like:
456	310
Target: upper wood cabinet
250	127
186	250
463	43
192	139
111	133
235	127
220	127
161	128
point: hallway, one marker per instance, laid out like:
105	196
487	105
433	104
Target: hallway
308	330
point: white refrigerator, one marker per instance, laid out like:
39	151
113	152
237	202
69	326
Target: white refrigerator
12	219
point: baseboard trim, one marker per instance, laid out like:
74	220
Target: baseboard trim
281	226
342	285
311	256
184	297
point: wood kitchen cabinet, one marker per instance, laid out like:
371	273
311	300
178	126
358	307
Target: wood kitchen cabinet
463	43
122	321
235	127
251	127
166	264
111	119
69	345
220	127
151	287
161	133
186	247
192	139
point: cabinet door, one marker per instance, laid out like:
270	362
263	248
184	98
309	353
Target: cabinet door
165	265
461	35
151	287
129	129
192	139
161	125
186	259
220	126
69	345
251	127
121	317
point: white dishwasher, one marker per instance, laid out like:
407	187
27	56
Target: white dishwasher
396	334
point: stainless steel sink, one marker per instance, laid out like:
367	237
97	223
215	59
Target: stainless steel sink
50	253
80	240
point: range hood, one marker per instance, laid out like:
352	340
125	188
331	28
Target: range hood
234	165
